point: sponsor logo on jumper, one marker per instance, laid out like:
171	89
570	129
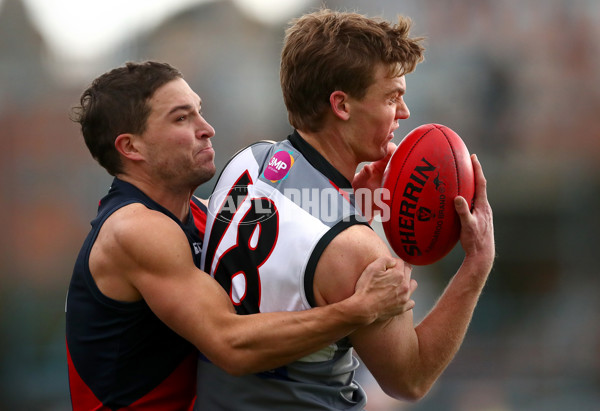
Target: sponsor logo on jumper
279	166
197	248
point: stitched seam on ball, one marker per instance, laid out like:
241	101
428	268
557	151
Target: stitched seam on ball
455	161
410	151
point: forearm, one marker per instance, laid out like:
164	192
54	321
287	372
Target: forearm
253	343
442	331
435	341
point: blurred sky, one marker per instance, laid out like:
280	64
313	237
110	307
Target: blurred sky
84	29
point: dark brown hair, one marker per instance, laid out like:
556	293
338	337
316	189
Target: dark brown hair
117	102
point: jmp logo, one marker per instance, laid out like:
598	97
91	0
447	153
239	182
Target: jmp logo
424	214
279	166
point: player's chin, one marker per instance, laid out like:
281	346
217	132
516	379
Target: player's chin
375	156
205	173
383	150
205	161
210	168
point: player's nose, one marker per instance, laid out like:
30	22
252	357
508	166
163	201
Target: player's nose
204	129
402	111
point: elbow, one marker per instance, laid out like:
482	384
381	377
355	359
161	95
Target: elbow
230	353
235	354
237	359
235	365
408	392
408	396
231	369
235	370
414	395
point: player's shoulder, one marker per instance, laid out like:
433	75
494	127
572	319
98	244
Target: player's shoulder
134	222
361	240
135	213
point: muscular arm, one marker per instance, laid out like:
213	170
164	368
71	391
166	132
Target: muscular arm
152	257
404	359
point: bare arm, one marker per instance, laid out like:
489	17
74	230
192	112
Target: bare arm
153	259
404	359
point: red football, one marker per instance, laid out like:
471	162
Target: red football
430	167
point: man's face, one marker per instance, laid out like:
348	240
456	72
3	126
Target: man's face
375	117
177	142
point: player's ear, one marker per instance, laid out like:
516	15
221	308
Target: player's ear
126	144
338	100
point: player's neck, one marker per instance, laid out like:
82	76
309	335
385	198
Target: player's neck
177	201
333	150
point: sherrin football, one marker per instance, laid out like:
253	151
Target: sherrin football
430	167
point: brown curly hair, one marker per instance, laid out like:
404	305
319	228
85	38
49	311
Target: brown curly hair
329	50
